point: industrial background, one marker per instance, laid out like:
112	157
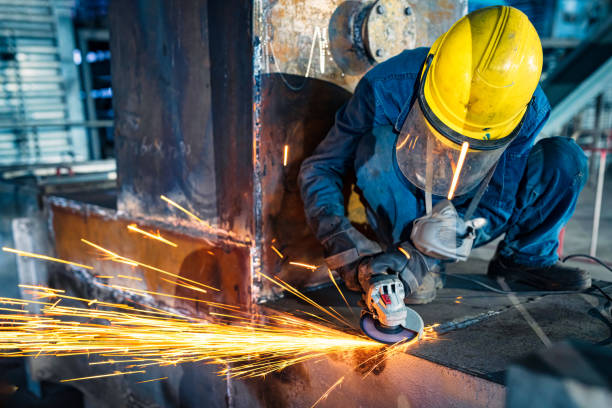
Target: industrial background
106	105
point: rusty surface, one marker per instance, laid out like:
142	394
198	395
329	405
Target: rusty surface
312	39
296	41
183	123
220	265
346	39
231	53
390	28
299	120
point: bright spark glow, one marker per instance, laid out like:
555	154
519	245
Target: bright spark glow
303	265
112	256
464	149
331	277
154	379
285	155
104	375
158	237
403	143
44	257
178	207
414	142
244	344
285	286
326	393
279	253
252	344
403	251
129	277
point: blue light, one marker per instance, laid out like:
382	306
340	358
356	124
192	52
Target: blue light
104	93
97	56
77	57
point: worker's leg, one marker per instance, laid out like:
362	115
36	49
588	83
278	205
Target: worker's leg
555	174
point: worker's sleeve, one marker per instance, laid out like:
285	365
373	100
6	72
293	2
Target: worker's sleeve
499	200
322	174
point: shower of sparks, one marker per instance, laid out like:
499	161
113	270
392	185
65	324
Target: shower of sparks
303	265
329	390
44	257
250	344
158	237
457	172
112	256
285	286
279	253
189	213
244	344
331	277
285	155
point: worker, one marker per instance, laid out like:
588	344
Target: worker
458	122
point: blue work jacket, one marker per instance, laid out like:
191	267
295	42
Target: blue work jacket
368	124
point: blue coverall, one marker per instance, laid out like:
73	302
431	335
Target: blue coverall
530	197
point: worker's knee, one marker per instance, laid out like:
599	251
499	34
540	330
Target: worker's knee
559	161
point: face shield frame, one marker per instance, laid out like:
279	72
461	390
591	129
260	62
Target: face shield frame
439	136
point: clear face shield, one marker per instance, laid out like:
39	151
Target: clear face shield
438	159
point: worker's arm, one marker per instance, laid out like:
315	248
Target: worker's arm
321	180
322	175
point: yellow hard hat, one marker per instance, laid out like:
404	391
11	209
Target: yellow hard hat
484	71
475	87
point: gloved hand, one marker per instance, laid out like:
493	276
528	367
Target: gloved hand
443	234
406	261
345	248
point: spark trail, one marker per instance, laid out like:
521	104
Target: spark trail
244	344
252	345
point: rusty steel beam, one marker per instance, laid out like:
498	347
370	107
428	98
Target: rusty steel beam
222	265
182	81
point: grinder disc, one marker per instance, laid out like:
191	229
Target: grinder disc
411	329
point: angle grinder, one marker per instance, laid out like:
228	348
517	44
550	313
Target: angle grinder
387	319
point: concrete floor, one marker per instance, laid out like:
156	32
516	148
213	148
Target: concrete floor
482	332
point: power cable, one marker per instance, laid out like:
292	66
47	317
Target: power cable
540	293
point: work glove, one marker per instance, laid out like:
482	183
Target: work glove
406	262
444	235
345	248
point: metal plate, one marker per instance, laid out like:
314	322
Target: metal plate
345	38
390	29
